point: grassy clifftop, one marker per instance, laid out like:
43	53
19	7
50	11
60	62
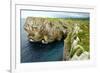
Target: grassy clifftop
79	40
74	30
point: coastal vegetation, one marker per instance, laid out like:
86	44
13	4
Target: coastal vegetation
74	32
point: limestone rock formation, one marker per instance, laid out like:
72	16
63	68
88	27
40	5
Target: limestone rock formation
45	30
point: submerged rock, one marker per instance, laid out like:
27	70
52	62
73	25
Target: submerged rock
45	30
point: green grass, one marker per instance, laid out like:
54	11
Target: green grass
84	26
83	35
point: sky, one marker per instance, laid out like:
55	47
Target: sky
50	14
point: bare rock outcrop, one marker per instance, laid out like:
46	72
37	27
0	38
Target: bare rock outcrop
45	30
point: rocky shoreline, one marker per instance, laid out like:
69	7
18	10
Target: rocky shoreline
48	30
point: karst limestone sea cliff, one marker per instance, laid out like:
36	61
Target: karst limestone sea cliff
74	32
45	30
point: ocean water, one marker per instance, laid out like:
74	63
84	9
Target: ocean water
38	52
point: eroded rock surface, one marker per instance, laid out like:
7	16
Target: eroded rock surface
45	30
